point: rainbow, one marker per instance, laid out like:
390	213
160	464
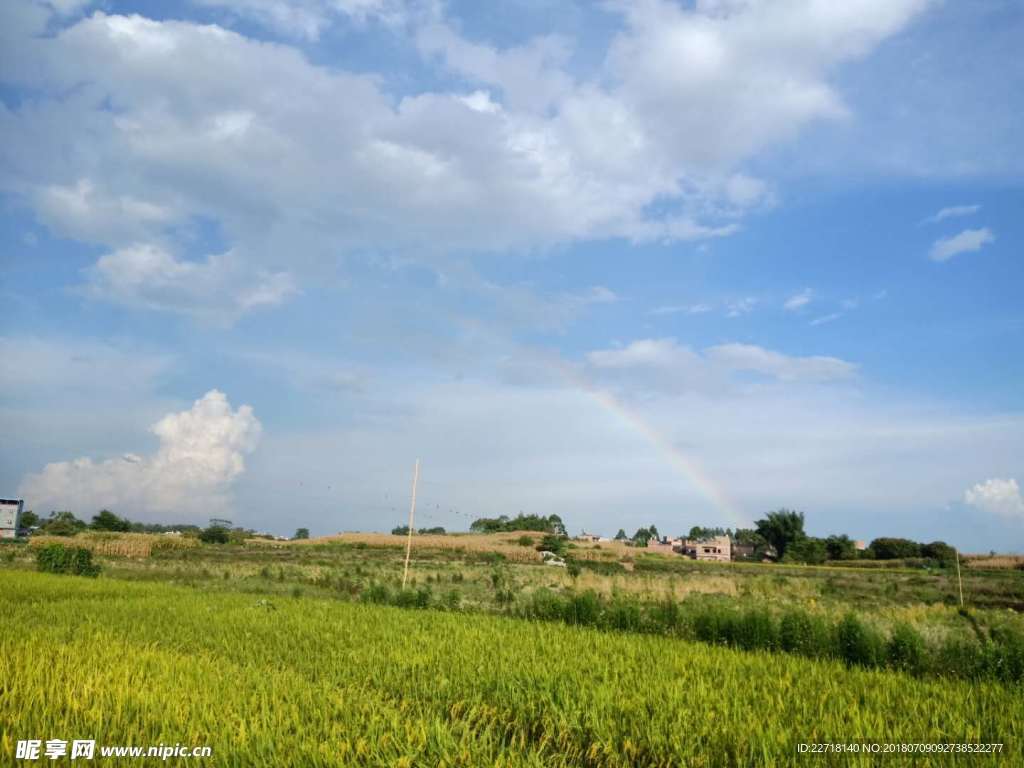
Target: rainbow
682	463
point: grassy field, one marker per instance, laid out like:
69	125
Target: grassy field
301	681
294	653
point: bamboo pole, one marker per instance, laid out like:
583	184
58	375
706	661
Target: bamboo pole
412	515
959	580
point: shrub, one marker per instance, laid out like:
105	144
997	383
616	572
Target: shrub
713	625
804	634
583	609
376	593
215	534
544	604
755	629
906	650
1006	654
56	558
625	615
858	643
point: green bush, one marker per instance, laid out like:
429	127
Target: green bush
624	614
215	534
858	643
1006	654
906	650
756	629
376	593
583	609
804	634
57	558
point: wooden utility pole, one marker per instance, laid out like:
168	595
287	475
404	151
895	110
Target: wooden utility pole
412	515
959	581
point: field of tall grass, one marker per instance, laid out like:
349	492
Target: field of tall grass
300	681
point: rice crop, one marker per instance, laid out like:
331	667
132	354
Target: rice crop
295	681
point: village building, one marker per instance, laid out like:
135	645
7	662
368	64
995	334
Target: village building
718	548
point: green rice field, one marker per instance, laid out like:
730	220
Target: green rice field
295	680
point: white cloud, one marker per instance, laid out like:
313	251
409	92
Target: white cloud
968	241
219	289
738	307
674	309
665	365
799	300
749	357
199	458
87	213
997	496
709	71
309	18
298	163
829	318
952	212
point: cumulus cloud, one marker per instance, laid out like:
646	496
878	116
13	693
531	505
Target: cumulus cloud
968	241
952	212
297	162
199	458
998	497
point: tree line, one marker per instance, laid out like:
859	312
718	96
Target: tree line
780	536
66	523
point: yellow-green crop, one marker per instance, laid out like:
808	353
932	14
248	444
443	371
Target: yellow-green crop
312	682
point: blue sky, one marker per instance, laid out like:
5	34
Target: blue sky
656	262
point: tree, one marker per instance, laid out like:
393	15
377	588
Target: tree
807	550
939	550
699	532
748	536
621	535
301	533
521	522
552	542
641	537
63	524
29	519
781	528
841	548
105	520
215	534
887	548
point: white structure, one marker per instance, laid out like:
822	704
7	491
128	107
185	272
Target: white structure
10	517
